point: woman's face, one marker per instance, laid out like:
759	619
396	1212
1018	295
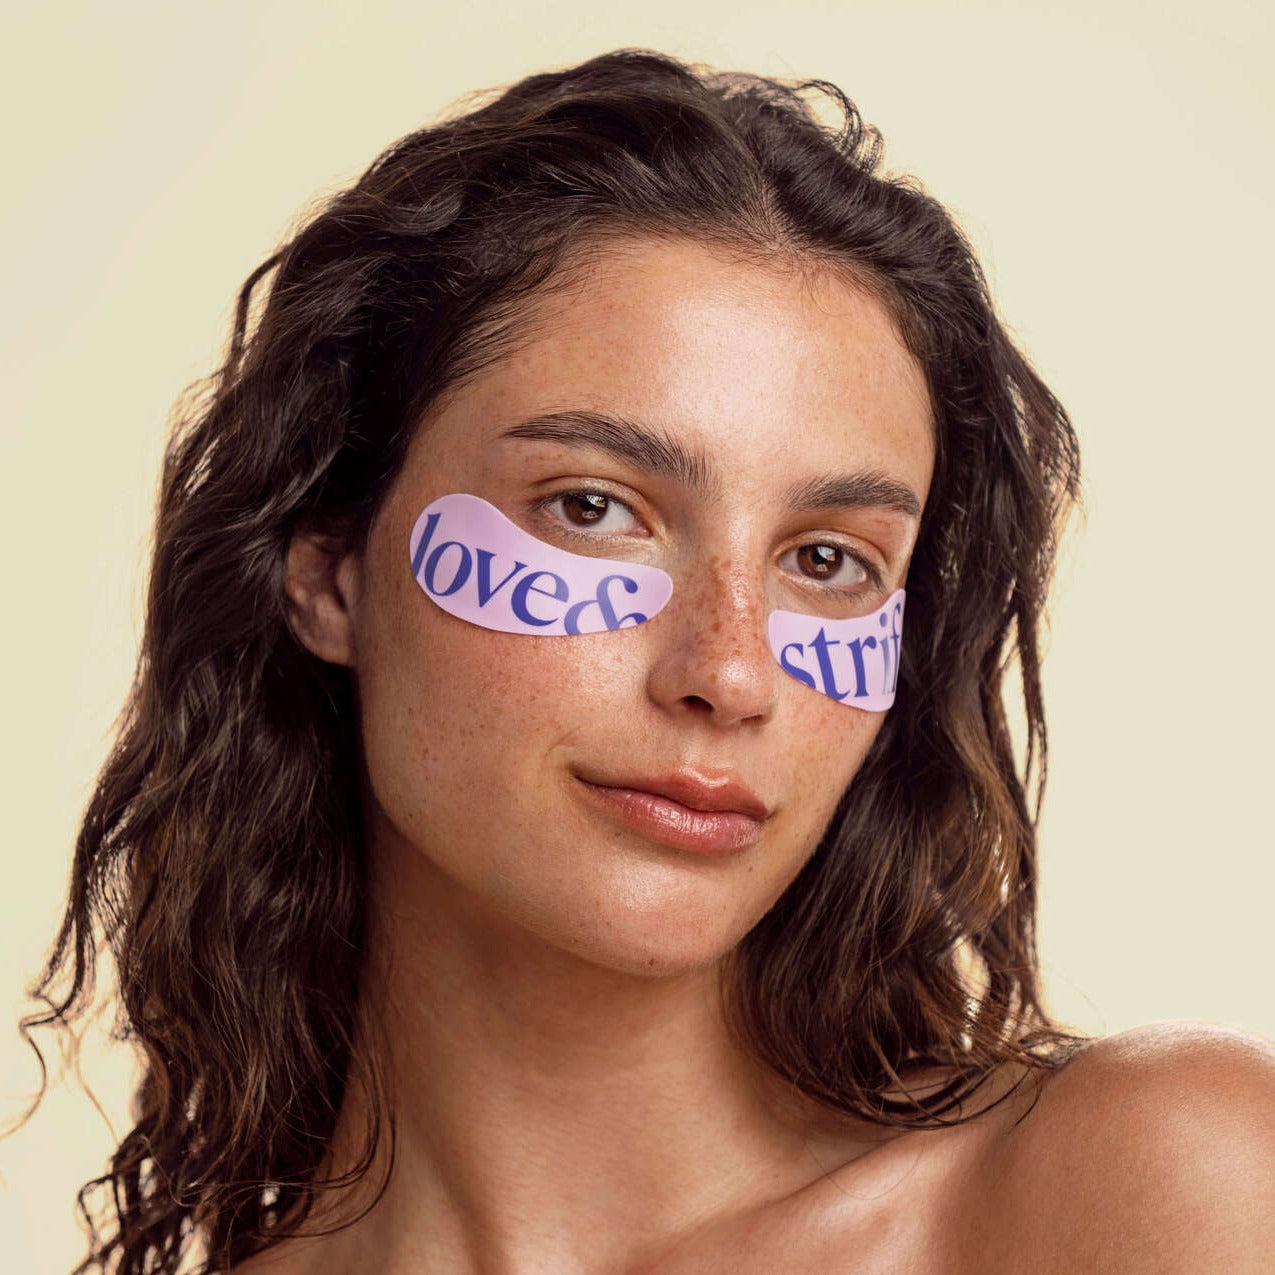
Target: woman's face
481	746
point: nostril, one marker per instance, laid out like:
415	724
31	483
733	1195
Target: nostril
697	702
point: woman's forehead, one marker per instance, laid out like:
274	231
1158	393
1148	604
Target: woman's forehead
731	358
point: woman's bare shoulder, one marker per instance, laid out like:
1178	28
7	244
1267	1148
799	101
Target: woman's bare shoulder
1152	1150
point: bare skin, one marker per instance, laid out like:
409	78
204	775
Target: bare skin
541	974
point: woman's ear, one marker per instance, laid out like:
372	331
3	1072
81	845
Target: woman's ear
323	581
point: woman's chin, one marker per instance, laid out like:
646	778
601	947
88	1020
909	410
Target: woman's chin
662	944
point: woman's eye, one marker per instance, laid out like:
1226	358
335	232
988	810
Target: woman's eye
593	509
830	565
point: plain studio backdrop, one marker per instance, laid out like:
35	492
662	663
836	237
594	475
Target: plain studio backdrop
1111	163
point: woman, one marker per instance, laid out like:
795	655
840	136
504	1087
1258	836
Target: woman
535	841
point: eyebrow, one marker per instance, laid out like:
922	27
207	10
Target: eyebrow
658	452
868	488
654	450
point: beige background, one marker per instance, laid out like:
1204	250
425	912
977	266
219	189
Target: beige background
1111	162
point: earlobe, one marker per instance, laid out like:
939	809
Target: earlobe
323	580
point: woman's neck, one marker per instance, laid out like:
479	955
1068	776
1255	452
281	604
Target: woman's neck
551	1114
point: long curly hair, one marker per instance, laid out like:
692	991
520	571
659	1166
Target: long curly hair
220	860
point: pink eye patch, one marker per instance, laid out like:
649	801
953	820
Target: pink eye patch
855	661
479	566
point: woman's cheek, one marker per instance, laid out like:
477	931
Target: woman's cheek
829	742
498	698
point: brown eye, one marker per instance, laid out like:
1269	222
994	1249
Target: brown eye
584	507
820	561
594	509
830	564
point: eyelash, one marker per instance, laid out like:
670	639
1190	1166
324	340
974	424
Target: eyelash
874	575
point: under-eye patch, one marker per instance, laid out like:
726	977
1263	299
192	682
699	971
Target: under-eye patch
481	567
855	662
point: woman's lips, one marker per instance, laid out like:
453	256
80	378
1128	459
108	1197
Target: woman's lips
662	819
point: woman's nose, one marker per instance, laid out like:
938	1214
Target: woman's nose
713	660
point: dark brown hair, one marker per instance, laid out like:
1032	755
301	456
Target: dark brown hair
220	859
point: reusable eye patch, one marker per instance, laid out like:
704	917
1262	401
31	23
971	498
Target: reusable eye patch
481	567
866	664
477	565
